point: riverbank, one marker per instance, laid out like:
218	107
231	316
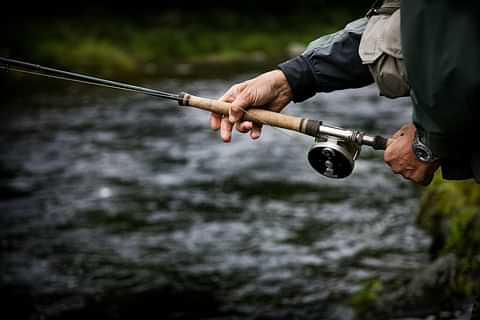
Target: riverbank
449	285
170	42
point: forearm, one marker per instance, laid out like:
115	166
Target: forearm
329	63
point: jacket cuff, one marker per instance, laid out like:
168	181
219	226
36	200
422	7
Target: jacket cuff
300	78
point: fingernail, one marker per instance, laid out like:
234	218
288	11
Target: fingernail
226	139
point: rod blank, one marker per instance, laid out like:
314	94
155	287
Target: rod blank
16	65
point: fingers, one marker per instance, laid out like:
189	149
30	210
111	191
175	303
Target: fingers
256	131
241	97
239	105
400	157
226	130
420	173
247	126
425	174
218	122
240	100
215	121
244	126
422	180
420	177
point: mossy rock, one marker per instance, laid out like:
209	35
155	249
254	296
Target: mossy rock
450	213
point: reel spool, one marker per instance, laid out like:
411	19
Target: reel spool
333	157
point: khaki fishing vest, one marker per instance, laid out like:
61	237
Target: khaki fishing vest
380	48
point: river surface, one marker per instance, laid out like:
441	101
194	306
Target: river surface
118	205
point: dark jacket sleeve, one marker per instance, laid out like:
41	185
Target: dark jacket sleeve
441	50
329	63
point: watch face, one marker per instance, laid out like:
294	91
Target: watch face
422	153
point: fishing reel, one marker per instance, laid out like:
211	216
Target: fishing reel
334	157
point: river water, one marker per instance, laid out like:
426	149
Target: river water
118	205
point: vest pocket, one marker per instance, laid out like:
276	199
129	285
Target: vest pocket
380	48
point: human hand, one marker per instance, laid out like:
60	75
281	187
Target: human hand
400	157
269	91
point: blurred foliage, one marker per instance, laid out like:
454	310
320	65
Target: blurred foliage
147	41
450	212
363	298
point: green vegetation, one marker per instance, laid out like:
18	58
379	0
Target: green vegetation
149	45
450	212
368	294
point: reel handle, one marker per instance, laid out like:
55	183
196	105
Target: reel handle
274	119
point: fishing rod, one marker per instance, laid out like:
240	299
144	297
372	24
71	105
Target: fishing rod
332	155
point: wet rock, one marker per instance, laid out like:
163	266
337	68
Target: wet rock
450	213
448	286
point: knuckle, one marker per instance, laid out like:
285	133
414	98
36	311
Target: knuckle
246	96
396	170
226	124
388	156
409	175
422	179
238	87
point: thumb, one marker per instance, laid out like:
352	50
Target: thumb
390	141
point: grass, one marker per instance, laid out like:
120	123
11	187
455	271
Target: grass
148	45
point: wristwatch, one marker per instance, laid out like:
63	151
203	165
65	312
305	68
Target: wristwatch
422	151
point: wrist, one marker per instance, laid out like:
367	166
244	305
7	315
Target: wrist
300	78
421	150
281	84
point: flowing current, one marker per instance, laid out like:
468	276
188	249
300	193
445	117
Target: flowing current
121	205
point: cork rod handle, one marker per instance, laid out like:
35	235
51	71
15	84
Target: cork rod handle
274	119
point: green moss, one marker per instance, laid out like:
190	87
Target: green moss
447	197
450	212
465	281
366	296
452	206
